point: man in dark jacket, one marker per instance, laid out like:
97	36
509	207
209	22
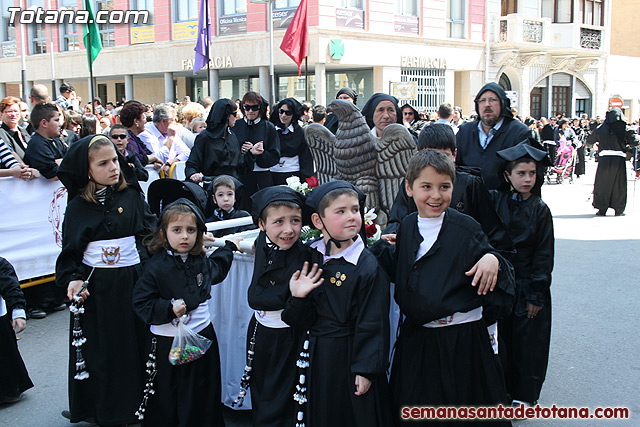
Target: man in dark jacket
495	130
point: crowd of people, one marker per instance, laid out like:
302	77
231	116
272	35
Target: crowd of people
469	217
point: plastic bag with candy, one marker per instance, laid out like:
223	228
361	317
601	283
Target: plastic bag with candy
187	345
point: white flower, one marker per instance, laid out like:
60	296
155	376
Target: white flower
293	182
370	216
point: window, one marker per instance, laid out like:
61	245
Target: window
107	31
591	12
234	7
353	4
455	19
286	4
143	5
8	30
560	11
407	7
120	92
509	6
430	86
69	33
186	10
37	32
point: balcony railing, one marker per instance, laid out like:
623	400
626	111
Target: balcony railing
590	38
516	28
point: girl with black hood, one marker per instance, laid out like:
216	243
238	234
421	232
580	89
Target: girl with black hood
255	129
104	223
216	150
295	157
176	287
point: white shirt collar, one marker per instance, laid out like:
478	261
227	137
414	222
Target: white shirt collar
287	130
351	254
254	122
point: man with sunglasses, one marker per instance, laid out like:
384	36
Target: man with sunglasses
253	129
119	136
494	130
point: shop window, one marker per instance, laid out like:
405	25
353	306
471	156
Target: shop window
581	107
143	5
8	30
509	6
69	31
431	86
286	4
353	4
407	7
234	7
592	12
359	80
559	11
102	93
185	10
120	92
107	31
455	19
294	86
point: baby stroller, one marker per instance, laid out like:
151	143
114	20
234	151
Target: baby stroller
565	162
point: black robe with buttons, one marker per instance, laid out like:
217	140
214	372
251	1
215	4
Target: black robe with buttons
348	323
274	376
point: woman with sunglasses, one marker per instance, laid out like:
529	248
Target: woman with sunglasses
252	129
216	151
295	157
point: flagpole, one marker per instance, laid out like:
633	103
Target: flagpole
91	95
306	78
206	5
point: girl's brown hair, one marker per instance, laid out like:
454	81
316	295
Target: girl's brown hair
89	190
157	242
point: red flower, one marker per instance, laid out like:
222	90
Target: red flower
312	182
370	230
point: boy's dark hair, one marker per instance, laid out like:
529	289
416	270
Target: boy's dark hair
332	195
438	136
434	158
116	127
221	180
72	118
42	111
319	113
512	164
66	87
277	204
445	111
97	100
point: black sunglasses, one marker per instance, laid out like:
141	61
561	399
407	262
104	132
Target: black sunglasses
120	136
251	107
287	112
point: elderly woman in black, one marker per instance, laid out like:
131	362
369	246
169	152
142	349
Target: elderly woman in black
216	150
295	157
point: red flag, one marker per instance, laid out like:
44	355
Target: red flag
295	40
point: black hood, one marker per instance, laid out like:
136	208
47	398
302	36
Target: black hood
372	103
73	172
415	112
202	227
279	193
163	192
349	92
505	103
293	105
219	117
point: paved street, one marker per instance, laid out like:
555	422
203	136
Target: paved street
594	351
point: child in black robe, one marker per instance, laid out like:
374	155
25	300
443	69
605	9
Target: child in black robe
105	221
443	355
279	253
176	283
525	334
223	194
346	309
14	378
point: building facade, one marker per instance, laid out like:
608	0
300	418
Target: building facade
552	54
370	45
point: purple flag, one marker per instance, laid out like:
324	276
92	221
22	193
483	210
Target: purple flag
204	37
